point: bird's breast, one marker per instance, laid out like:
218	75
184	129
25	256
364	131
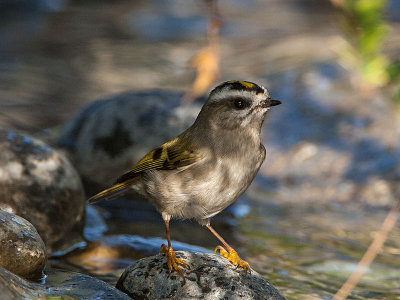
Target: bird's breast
204	189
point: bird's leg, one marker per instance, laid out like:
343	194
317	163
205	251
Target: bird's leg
172	260
228	252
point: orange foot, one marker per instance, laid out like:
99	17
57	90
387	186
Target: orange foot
234	258
173	261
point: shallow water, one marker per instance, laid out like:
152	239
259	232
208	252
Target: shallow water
306	251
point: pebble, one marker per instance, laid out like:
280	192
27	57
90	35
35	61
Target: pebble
58	284
22	250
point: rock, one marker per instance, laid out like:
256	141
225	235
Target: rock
22	250
40	185
14	287
107	137
61	282
210	277
58	284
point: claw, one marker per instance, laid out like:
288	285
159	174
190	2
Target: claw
234	258
173	261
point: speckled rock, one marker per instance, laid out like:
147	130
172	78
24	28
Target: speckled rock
58	284
22	250
40	185
107	137
210	277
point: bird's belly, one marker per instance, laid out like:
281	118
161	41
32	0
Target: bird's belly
199	194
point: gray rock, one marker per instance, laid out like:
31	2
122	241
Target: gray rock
40	185
13	287
22	250
210	277
107	137
59	284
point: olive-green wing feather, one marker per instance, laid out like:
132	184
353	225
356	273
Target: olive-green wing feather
172	155
112	192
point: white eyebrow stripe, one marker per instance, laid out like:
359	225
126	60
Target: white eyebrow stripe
227	93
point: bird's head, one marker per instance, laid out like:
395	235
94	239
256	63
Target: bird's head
237	104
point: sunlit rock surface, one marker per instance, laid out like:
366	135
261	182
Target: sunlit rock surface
209	277
58	284
22	251
106	137
40	185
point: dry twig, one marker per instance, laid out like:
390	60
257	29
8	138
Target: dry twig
370	254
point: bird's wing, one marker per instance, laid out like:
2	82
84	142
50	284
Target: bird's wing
172	155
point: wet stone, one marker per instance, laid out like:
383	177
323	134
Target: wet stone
110	135
58	284
40	185
22	250
210	277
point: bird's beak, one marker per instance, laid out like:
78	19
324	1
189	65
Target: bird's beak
275	102
268	103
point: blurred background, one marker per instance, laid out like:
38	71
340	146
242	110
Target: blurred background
333	148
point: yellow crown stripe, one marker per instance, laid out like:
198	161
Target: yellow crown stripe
248	85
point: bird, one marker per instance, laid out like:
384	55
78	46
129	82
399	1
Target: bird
207	167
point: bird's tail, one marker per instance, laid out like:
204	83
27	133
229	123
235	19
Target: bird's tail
112	192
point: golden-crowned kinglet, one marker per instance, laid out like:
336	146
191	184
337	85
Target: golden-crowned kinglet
207	167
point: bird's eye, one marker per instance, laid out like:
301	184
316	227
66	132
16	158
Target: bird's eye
239	103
